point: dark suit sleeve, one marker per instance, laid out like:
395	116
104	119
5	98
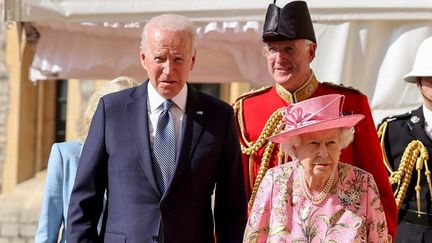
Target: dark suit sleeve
230	197
87	195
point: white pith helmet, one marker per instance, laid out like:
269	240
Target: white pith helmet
423	63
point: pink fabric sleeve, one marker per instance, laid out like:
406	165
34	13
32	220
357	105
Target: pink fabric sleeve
259	218
377	228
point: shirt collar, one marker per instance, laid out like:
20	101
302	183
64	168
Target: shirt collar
427	115
156	100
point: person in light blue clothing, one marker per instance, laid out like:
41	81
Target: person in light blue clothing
62	166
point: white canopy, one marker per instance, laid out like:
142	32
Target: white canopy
206	10
366	44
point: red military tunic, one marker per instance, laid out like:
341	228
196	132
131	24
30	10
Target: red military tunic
253	111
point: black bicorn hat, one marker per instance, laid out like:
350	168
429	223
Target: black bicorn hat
291	22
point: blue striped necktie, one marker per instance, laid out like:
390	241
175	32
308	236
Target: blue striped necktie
164	149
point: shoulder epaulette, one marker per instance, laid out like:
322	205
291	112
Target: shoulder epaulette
396	117
253	92
341	86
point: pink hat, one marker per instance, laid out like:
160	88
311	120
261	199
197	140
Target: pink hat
315	114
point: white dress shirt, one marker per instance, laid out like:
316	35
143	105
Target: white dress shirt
155	107
428	121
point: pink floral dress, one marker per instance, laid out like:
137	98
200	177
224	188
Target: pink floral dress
351	212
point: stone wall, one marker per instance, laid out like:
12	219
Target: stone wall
19	212
4	96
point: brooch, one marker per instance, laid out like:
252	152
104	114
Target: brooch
415	119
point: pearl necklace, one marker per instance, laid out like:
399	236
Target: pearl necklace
316	200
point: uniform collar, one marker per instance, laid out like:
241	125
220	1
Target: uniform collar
302	93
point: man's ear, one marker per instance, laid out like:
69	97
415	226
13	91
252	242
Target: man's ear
142	59
193	59
312	51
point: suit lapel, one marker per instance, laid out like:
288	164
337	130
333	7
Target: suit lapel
192	129
138	115
417	123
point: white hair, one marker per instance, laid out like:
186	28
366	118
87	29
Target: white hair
308	44
171	22
346	136
117	84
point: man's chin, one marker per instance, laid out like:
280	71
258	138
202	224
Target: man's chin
283	82
166	92
281	79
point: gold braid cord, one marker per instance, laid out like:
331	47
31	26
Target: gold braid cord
415	154
273	126
381	136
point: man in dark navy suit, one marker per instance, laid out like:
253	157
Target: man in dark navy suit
159	151
406	140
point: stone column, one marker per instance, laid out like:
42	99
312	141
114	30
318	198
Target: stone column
4	98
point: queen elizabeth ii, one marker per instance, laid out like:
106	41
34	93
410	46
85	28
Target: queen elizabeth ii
315	197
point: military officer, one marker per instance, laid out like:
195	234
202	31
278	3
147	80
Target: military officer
290	46
407	146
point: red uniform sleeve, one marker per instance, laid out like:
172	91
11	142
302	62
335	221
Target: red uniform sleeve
365	153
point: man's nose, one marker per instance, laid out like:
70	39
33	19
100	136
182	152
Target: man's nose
280	56
167	67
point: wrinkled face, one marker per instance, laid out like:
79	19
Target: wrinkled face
319	152
288	62
168	59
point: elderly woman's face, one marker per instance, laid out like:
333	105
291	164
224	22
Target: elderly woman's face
319	152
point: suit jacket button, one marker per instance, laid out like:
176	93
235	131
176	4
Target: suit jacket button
155	238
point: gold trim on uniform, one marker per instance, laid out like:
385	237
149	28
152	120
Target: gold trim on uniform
343	86
415	156
302	93
273	125
238	112
253	92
